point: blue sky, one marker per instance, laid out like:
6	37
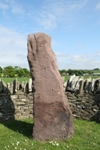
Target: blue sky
74	26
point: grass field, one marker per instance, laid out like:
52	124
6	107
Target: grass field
16	135
6	80
85	77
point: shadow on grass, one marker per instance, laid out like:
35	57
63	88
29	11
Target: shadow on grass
22	127
7	111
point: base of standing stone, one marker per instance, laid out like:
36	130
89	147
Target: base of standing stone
52	122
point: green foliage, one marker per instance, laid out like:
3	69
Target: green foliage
77	72
8	71
16	71
70	72
96	68
62	72
22	72
17	135
1	71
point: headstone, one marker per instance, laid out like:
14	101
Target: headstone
5	90
97	86
71	83
74	82
87	84
52	114
92	85
81	85
78	84
8	87
15	86
11	88
30	85
23	86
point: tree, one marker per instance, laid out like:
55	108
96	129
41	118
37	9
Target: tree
62	72
19	72
8	71
1	71
70	72
96	68
26	72
17	68
22	72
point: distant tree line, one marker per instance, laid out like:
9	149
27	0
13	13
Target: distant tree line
77	72
16	71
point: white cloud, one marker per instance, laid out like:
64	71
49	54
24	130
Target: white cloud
82	61
13	51
80	46
98	53
79	4
16	8
12	5
13	45
61	55
47	20
98	6
80	58
13	48
52	13
8	37
4	6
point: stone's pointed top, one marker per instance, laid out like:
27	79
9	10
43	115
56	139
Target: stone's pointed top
39	39
52	114
39	34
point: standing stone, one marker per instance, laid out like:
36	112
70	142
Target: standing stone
52	114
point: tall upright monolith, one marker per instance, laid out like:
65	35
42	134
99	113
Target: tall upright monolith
51	111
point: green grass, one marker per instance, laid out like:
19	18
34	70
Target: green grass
85	77
6	80
17	135
66	78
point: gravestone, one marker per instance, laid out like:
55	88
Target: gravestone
52	114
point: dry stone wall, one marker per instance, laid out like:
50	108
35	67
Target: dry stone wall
16	100
85	104
84	97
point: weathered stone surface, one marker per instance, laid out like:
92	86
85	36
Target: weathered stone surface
52	114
